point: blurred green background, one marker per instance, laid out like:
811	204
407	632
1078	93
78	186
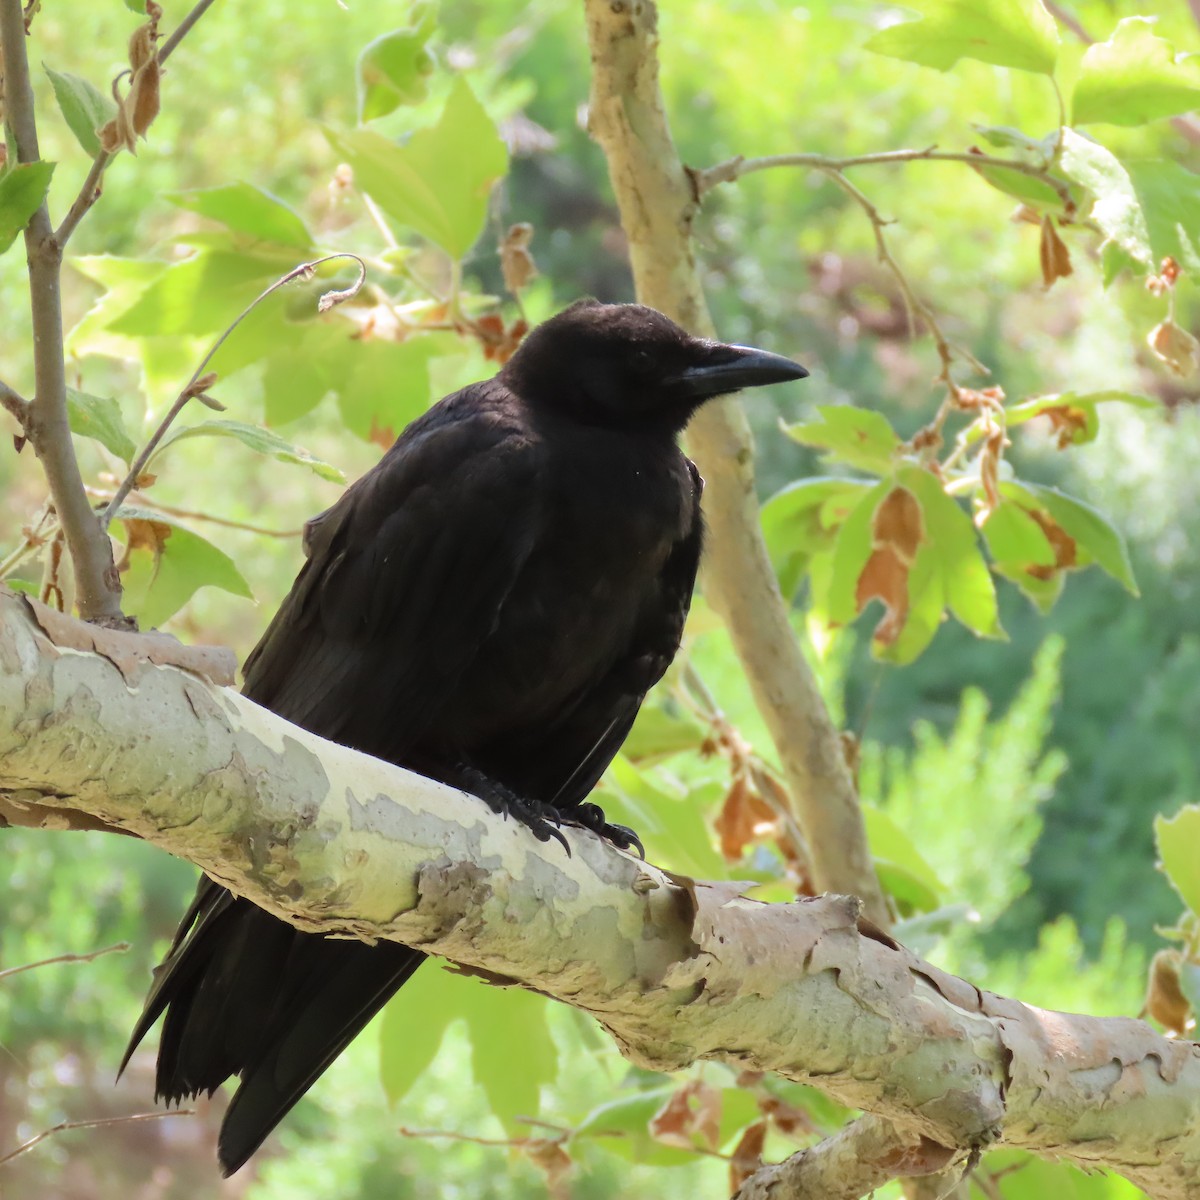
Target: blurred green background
1027	772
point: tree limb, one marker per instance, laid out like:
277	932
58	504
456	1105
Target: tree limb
658	202
331	840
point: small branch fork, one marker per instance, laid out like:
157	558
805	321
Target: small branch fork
44	420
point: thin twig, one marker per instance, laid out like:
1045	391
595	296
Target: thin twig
117	948
303	271
96	1123
735	168
14	403
90	192
170	510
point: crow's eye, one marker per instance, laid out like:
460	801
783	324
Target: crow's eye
643	360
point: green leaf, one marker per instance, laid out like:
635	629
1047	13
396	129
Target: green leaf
1095	538
1015	540
1169	195
22	190
431	1002
1177	838
388	386
1134	77
510	1063
623	1126
84	107
99	417
903	870
168	563
200	295
1044	593
260	440
970	592
1037	152
850	554
860	437
658	734
438	184
1006	33
394	69
1116	208
512	1052
1074	414
246	209
801	519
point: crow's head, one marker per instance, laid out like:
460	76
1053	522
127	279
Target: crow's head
628	367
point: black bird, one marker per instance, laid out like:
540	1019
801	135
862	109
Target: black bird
487	606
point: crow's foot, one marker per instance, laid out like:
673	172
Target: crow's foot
542	820
591	816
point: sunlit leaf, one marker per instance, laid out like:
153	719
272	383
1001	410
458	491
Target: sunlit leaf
387	387
22	190
84	107
99	417
900	865
1177	838
1134	77
1015	539
1036	152
1116	208
431	1001
395	68
1006	33
439	181
1169	195
260	440
201	294
1073	415
168	563
860	437
850	554
969	590
246	209
623	1126
1095	536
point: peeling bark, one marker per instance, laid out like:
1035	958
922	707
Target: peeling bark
329	839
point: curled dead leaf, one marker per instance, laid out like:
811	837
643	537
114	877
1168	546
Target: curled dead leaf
787	1118
1175	347
1165	999
691	1117
548	1155
516	261
744	817
1053	255
747	1155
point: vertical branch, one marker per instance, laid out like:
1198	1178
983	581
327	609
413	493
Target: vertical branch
98	588
657	199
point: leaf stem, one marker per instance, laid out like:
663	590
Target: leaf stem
197	384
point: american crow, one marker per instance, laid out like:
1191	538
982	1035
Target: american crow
488	606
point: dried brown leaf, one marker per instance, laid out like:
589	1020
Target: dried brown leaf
516	261
885	578
1175	347
1165	1000
1053	255
691	1117
747	1155
898	525
744	816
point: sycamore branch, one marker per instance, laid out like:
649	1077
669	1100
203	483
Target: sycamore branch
329	839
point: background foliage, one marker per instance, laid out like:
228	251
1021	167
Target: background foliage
1012	782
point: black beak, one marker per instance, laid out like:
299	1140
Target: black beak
731	368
